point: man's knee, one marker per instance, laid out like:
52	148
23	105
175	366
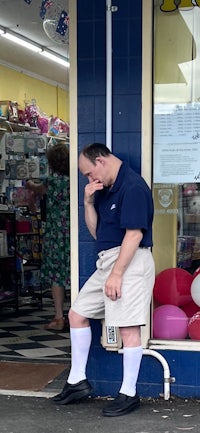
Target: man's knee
76	320
131	336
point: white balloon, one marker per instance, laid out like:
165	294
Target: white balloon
195	290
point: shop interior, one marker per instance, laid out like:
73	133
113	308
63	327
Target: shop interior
34	114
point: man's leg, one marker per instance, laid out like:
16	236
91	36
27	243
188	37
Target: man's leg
90	300
127	399
81	336
77	386
132	356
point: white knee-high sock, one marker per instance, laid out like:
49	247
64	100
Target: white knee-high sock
132	357
80	346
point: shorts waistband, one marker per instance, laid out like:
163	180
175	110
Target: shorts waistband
109	251
116	250
143	247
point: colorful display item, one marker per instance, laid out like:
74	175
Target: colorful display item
173	286
190	309
194	327
170	322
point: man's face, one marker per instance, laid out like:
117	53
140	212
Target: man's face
93	171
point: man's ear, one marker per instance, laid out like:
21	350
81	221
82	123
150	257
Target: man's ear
100	159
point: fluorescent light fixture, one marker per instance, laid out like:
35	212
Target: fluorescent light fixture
33	46
23	42
55	58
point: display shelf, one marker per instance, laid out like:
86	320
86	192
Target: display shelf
8	271
15	276
29	274
7	126
23	148
59	137
28	234
2	120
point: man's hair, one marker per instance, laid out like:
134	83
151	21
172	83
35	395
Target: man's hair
92	151
58	158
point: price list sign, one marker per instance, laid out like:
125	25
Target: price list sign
176	152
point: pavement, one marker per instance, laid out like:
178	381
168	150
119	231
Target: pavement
40	415
35	412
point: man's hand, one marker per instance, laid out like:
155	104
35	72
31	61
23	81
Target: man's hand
113	286
90	190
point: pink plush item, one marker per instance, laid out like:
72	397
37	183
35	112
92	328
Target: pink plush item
43	124
22	197
190	189
57	126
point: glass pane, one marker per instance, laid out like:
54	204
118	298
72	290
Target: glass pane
176	169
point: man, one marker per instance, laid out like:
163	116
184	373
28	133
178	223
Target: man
119	214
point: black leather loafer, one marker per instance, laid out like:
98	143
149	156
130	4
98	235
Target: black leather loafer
72	393
122	405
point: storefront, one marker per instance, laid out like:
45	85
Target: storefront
154	123
156	44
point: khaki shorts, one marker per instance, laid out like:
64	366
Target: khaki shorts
137	286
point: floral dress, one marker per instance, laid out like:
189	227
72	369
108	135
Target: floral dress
55	269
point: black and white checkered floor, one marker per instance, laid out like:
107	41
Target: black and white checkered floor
23	336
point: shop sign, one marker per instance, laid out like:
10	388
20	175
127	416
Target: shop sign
164	199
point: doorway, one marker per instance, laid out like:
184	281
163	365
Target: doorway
56	340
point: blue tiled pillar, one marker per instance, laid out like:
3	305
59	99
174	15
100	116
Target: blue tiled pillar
105	368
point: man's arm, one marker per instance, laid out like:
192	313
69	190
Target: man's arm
90	212
91	218
128	248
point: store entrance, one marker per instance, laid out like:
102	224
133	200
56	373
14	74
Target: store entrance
34	116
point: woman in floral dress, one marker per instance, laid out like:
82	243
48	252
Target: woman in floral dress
55	269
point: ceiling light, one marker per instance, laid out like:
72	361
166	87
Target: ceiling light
23	42
55	58
33	46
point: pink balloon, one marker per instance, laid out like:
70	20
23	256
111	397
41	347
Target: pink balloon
172	286
194	327
170	322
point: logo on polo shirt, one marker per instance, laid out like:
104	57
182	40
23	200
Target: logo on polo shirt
113	206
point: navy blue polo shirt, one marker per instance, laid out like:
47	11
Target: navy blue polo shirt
127	205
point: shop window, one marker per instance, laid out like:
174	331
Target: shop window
176	170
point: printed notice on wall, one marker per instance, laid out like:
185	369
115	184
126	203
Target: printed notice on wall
177	143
